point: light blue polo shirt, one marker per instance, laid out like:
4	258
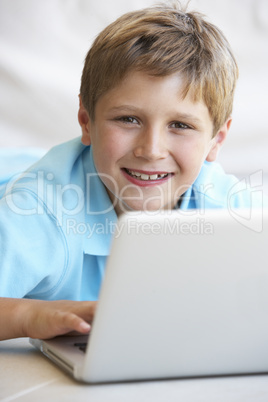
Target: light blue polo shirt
57	222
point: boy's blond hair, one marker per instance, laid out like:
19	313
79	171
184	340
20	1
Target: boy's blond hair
163	40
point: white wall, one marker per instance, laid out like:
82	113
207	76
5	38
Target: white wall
43	45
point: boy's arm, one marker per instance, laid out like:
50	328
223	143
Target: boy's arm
43	319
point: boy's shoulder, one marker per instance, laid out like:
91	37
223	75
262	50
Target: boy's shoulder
62	159
60	165
24	166
55	181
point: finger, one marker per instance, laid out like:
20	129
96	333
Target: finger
85	310
71	322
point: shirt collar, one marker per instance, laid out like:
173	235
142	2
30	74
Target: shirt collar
207	190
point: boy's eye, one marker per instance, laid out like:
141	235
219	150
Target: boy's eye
179	125
128	119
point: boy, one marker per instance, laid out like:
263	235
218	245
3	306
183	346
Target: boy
155	108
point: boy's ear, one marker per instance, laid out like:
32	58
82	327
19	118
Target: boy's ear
218	141
84	121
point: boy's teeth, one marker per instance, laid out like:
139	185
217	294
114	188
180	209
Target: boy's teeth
144	176
153	176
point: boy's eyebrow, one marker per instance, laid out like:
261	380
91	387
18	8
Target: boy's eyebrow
188	117
176	115
127	108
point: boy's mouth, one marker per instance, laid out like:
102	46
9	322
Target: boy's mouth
146	176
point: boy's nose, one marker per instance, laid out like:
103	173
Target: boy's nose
151	145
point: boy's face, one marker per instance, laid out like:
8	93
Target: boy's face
148	143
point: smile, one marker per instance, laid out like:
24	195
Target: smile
146	177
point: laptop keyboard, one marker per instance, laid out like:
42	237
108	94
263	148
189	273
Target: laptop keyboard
81	346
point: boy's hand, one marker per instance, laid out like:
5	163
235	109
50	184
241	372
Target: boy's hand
44	319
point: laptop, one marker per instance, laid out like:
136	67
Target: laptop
184	295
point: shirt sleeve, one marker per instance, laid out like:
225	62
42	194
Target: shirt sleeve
33	249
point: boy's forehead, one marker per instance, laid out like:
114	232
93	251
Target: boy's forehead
140	91
147	82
